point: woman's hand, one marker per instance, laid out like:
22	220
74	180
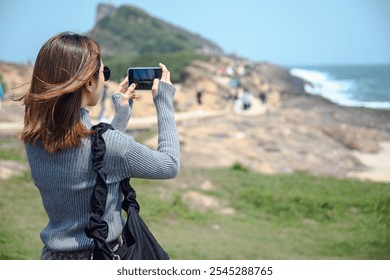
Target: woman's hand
165	77
127	92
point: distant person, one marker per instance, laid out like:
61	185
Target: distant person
199	95
2	96
246	99
263	97
221	71
69	75
229	71
233	83
240	70
238	104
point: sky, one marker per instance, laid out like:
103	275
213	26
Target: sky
286	32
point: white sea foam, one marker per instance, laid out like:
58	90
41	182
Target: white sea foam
338	91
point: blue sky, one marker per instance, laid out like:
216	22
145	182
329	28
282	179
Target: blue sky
287	32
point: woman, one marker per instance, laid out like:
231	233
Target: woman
68	76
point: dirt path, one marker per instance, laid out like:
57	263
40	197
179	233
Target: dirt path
146	122
134	123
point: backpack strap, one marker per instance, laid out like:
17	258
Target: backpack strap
98	228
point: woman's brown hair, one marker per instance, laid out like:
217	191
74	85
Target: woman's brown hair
63	66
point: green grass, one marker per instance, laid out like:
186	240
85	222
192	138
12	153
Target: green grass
10	149
295	216
22	218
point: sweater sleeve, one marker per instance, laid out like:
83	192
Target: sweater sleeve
122	113
139	161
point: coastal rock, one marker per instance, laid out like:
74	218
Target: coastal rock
292	132
354	138
297	133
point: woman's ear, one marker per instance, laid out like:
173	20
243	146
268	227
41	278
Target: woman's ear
89	85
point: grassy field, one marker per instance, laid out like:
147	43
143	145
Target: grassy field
294	216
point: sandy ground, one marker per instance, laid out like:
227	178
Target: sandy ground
378	165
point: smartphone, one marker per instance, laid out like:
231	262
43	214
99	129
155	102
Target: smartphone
143	76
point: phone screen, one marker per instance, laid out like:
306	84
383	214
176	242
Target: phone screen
143	76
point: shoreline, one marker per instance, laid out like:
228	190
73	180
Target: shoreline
333	82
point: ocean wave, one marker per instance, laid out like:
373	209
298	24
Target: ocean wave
338	91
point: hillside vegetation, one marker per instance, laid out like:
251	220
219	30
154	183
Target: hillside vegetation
130	37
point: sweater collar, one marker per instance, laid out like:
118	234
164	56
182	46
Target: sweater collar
85	118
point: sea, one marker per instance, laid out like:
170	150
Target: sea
349	85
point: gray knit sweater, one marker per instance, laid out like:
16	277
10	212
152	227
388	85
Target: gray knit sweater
66	179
